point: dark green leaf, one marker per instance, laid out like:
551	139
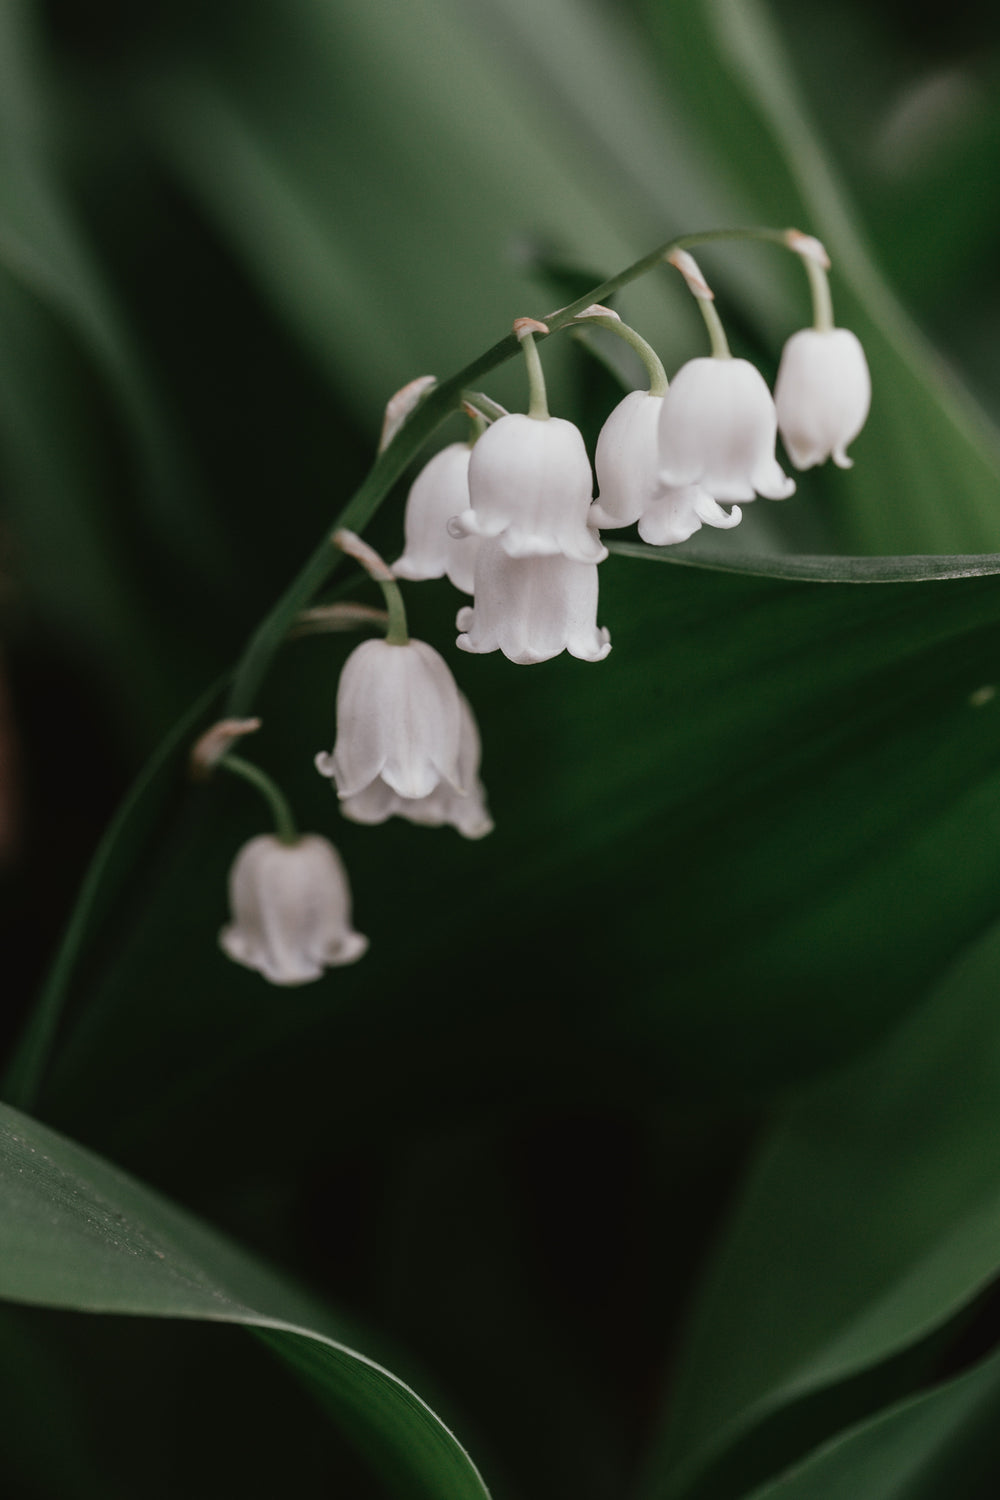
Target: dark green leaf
76	1233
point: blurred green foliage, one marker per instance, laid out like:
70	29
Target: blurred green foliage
736	919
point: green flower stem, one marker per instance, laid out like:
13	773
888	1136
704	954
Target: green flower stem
658	382
486	404
819	286
392	463
379	571
284	822
538	406
716	332
397	633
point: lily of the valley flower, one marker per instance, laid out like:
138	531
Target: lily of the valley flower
717	430
675	515
822	394
440	491
465	810
398	721
533	608
627	461
530	487
291	908
630	488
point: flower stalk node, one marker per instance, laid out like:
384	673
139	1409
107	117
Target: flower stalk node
691	271
597	310
209	748
808	246
524	327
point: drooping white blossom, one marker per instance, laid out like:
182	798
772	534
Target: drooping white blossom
532	608
822	395
440	491
398	721
291	910
631	489
627	461
465	811
675	515
530	487
717	430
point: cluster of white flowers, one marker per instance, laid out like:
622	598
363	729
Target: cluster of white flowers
510	518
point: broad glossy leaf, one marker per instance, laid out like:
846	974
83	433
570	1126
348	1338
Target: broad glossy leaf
76	1233
871	1216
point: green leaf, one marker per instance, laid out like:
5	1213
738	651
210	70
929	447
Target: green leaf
822	569
872	1215
76	1233
940	1443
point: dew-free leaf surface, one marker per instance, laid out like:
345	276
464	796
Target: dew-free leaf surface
76	1233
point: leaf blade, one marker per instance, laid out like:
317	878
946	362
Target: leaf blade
76	1233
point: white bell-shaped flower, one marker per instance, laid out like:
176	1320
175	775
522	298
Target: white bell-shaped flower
717	430
532	608
628	473
398	721
627	461
530	487
465	811
440	491
291	907
677	514
822	394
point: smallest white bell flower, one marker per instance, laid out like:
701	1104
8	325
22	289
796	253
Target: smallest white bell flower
398	721
822	394
291	908
440	491
466	811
